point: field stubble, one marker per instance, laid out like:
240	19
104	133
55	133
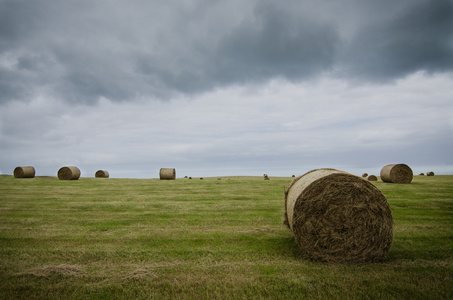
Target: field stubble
192	239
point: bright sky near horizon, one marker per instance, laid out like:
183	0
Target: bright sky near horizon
216	88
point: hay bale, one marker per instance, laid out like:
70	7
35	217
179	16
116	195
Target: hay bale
372	178
338	217
421	174
24	172
69	173
101	174
365	175
430	174
167	174
397	173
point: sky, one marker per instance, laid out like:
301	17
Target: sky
224	88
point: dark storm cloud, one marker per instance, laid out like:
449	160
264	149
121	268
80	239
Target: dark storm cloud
80	51
276	41
404	37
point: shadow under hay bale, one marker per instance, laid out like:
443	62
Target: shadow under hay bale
24	172
430	174
338	217
101	174
397	173
372	178
167	174
69	173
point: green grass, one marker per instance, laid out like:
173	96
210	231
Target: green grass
204	239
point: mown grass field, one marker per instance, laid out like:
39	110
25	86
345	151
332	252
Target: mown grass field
205	239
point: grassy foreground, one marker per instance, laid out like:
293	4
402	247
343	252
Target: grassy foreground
203	239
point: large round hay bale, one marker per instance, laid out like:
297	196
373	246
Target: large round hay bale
397	173
430	174
365	175
69	173
167	173
338	217
101	174
24	172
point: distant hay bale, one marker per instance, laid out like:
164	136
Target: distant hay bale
430	174
201	178
190	177
293	176
372	178
365	175
266	177
101	174
24	172
167	174
338	217
421	174
397	173
69	173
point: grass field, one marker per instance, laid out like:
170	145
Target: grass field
204	239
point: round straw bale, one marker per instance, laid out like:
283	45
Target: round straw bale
69	173
24	172
421	174
430	174
372	178
397	173
338	217
167	173
101	174
365	175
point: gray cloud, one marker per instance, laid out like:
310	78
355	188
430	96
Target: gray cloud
82	51
401	38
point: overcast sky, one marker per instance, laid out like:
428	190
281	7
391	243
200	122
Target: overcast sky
212	88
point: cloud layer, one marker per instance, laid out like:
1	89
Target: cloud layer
225	87
82	51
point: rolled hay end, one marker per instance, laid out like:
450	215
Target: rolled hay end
101	174
24	172
397	173
372	178
338	217
430	174
69	173
167	174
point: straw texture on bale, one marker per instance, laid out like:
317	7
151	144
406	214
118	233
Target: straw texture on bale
371	178
397	173
338	217
430	174
101	174
69	173
24	172
167	174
